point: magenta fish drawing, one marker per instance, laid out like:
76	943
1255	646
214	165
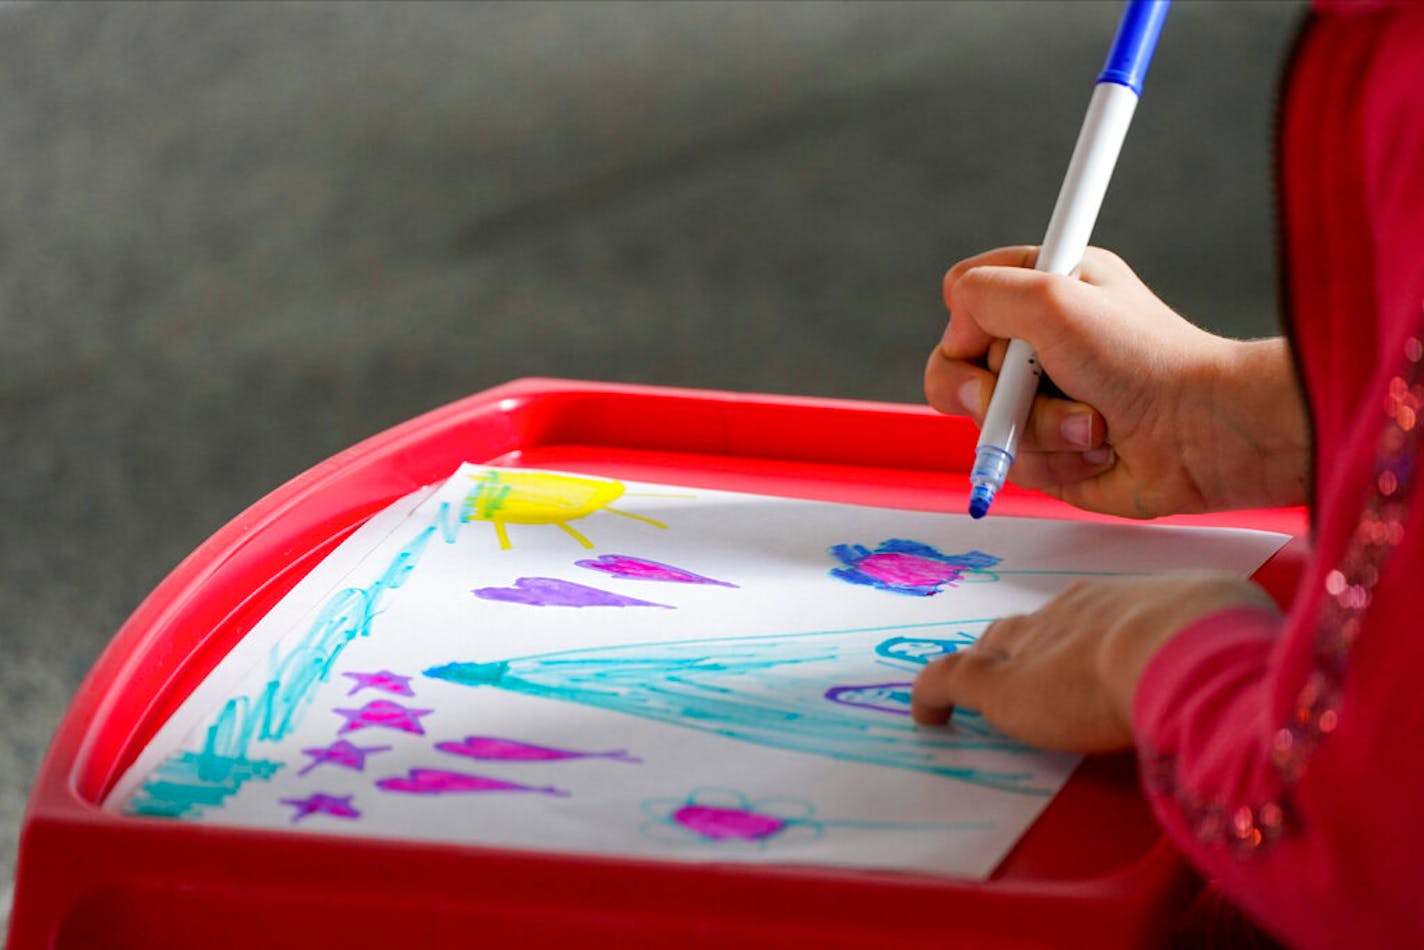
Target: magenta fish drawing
510	750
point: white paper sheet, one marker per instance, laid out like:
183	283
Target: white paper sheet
566	663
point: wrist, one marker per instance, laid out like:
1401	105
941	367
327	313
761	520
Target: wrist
1249	442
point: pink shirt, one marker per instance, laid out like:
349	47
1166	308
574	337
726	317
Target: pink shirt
1286	758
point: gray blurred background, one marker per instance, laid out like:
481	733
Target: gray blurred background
235	239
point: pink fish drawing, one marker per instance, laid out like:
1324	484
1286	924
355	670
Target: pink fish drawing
637	568
510	750
443	782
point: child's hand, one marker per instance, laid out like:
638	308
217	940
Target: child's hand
1063	676
1161	417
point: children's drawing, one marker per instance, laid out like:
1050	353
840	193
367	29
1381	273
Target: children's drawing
444	782
882	697
793	682
333	806
341	753
638	568
511	750
189	782
907	567
921	650
723	816
383	680
383	714
766	690
552	592
503	498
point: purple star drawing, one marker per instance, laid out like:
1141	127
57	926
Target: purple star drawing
337	806
385	714
341	753
384	680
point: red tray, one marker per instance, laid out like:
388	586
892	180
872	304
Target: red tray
1093	866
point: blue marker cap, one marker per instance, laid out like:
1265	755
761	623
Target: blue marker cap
1132	48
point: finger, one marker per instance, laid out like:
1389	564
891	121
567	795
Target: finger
1047	471
1019	255
1063	425
1008	302
958	679
957	388
963	338
1001	636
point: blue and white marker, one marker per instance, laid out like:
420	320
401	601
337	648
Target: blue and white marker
1099	141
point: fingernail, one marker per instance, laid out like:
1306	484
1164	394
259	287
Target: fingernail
1077	430
969	397
1102	455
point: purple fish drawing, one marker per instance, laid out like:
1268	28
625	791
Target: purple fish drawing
442	782
637	568
510	750
906	567
552	592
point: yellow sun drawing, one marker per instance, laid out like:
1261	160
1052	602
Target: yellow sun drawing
503	498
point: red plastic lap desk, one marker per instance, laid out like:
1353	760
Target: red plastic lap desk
1094	867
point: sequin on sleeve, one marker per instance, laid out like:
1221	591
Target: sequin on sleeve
1245	828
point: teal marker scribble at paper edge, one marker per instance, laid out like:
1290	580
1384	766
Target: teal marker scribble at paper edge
188	782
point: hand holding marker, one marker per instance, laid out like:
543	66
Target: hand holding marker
1099	141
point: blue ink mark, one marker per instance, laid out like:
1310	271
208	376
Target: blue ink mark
189	781
907	567
766	690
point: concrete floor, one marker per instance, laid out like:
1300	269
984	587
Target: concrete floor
237	238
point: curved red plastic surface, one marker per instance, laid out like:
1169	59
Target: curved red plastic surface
1094	863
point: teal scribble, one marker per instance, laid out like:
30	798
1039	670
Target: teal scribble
187	782
921	650
487	498
767	690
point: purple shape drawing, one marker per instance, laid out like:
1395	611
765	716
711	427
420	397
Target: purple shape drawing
341	753
384	714
552	592
906	567
510	750
881	697
336	806
727	824
443	782
638	568
384	680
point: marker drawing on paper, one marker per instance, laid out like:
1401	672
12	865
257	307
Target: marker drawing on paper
508	687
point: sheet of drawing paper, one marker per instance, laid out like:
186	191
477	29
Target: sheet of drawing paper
574	664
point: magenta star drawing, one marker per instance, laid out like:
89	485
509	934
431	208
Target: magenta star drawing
342	753
384	680
337	806
383	713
